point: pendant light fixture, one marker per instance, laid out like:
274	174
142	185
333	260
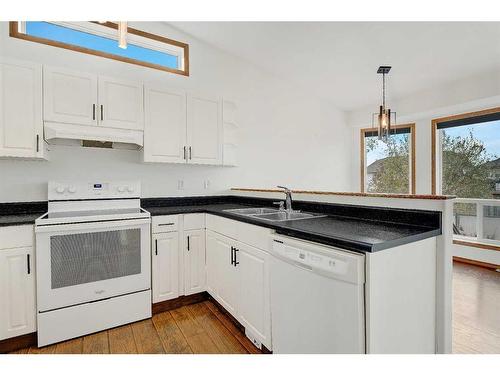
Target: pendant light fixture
385	117
122	34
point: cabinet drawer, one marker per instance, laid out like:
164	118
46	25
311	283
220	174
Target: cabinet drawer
253	235
194	221
162	224
16	236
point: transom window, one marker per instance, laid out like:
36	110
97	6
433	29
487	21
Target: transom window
466	163
388	166
100	39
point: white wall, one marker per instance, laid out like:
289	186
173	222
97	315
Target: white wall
467	95
287	136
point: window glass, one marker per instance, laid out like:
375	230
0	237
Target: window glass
470	163
99	43
388	163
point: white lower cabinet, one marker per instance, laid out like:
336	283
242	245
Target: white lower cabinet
222	274
194	261
17	282
165	266
253	276
238	278
178	256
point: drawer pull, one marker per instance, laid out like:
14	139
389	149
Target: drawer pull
164	224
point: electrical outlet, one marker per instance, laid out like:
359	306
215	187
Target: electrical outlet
180	184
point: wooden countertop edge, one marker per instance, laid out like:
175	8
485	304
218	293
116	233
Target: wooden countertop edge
352	194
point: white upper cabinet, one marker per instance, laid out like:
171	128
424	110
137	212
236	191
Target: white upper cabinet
204	129
120	104
70	97
165	125
21	125
194	261
87	99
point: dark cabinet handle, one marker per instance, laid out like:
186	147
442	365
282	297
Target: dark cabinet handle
188	243
102	112
28	263
232	255
37	143
235	259
190	153
93	111
163	224
156	247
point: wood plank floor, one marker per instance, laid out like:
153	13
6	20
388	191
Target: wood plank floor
199	328
203	328
476	309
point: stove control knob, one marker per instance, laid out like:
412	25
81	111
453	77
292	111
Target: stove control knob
121	189
72	189
130	189
60	189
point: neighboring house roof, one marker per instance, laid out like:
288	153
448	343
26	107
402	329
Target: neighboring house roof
375	166
493	163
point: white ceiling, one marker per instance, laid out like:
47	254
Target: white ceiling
338	60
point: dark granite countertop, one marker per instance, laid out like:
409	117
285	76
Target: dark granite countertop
21	213
357	228
337	229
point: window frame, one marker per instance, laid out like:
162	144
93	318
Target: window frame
412	162
109	29
436	150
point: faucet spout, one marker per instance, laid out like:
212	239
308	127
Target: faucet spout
288	199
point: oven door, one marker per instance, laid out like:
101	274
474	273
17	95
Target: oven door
84	262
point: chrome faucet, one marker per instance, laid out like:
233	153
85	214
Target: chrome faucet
288	199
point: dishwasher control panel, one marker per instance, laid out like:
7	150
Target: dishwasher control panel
328	261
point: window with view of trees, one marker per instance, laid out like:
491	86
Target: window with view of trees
388	166
467	165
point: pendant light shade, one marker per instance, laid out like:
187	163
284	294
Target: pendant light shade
384	118
122	34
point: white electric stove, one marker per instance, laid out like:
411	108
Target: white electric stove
93	259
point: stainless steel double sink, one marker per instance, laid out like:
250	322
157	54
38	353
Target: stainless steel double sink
272	214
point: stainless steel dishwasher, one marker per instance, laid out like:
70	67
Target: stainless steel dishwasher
317	298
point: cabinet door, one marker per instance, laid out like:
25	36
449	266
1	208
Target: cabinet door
204	130
121	104
17	292
165	266
222	275
21	126
194	261
165	126
69	97
254	309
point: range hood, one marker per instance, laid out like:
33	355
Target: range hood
54	131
